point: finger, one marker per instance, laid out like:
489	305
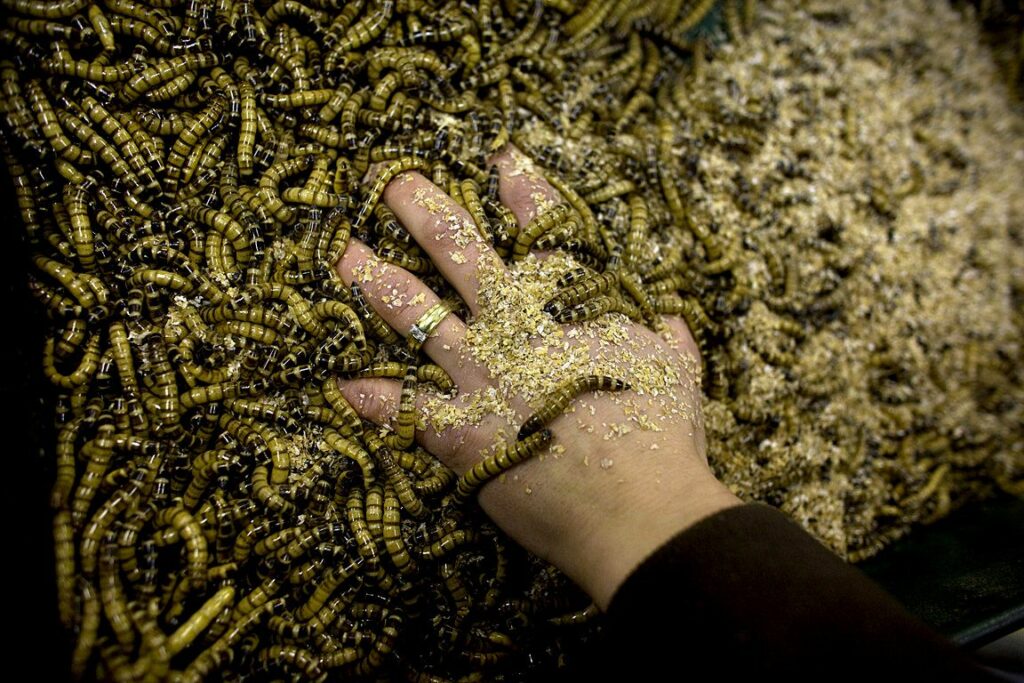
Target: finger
521	187
457	446
446	232
681	337
378	400
401	299
375	399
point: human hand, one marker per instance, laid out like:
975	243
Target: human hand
626	470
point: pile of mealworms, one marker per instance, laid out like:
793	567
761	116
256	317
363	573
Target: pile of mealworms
874	381
189	171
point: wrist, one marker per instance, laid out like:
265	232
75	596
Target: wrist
647	516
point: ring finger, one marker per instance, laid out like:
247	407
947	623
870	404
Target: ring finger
401	299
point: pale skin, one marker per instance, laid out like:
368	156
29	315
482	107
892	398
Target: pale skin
595	524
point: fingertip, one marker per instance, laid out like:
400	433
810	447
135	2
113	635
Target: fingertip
521	187
402	187
356	255
502	156
374	399
681	337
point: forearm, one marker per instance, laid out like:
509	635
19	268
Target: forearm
752	593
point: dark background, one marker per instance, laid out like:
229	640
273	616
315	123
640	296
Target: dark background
27	472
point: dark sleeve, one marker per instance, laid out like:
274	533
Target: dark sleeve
747	593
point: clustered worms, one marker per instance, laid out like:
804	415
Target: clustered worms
219	509
189	172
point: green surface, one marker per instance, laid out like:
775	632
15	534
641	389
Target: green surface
964	575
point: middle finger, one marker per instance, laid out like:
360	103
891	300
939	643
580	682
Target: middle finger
447	233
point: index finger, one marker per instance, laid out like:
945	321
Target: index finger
447	233
521	186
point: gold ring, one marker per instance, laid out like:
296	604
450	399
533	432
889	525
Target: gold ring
427	323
